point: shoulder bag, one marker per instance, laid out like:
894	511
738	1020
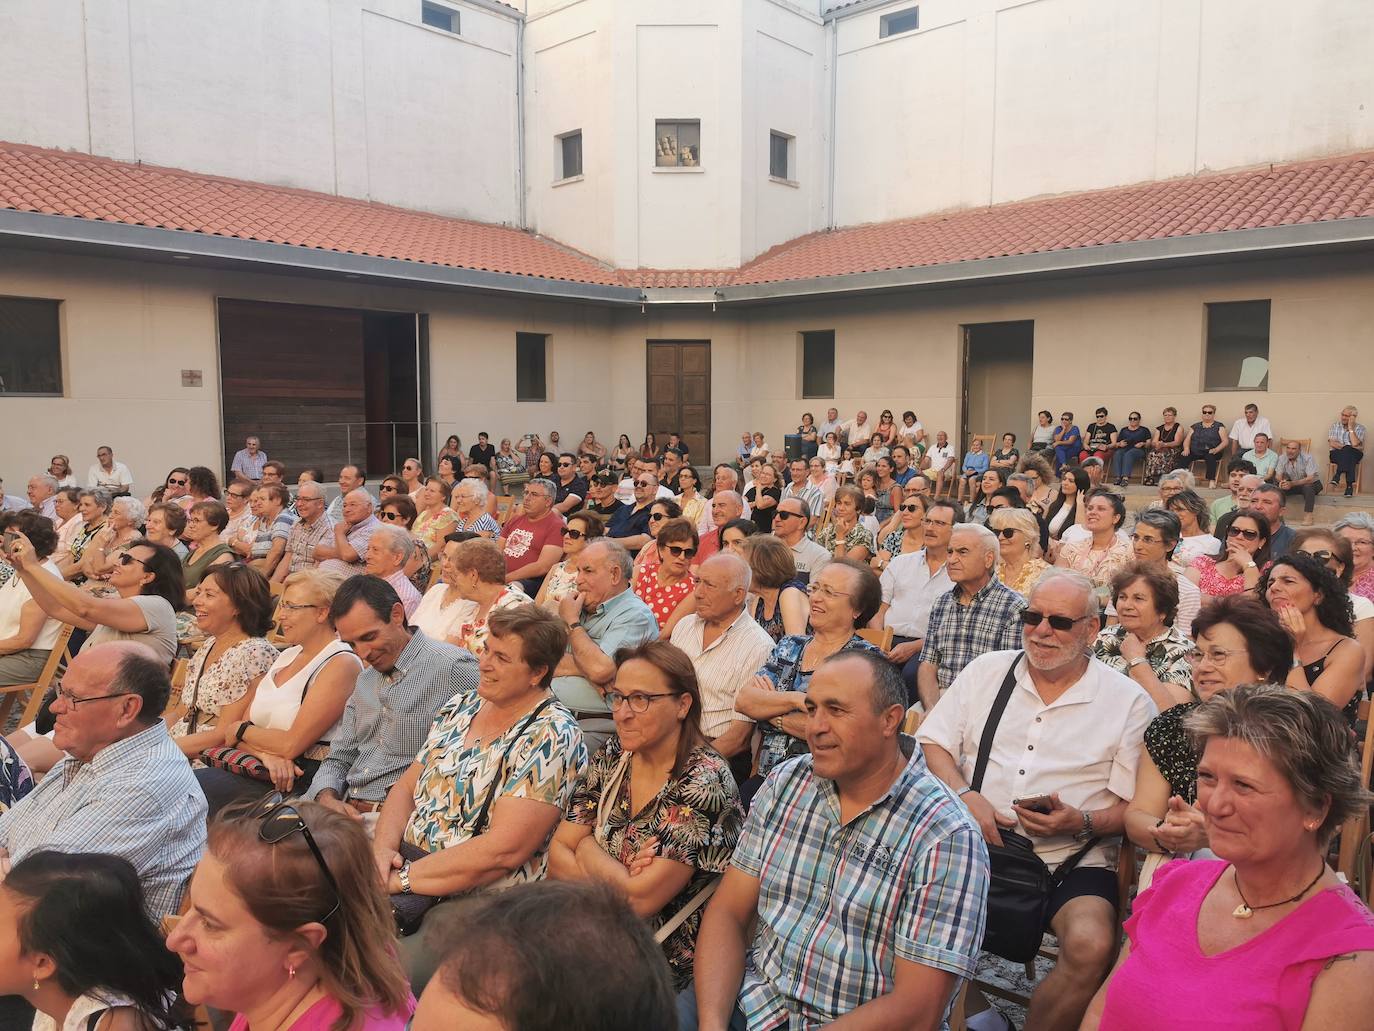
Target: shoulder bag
1020	883
410	908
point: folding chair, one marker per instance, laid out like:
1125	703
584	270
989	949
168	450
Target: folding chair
57	659
882	638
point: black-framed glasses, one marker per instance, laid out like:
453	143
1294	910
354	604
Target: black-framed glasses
390	517
176	483
911	508
1006	533
1321	556
677	550
1240	531
656	516
279	820
573	535
387	488
1064	624
787	515
125	558
638	701
236	494
73	701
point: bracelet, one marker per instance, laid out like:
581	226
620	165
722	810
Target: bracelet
963	791
243	729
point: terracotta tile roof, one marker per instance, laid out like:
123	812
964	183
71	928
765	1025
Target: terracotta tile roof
81	186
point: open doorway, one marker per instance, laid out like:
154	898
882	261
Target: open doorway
998	359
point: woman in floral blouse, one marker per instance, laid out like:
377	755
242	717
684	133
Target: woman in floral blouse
1144	644
479	575
658	786
844	536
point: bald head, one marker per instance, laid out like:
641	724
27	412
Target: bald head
722	583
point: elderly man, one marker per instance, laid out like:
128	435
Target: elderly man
865	880
1346	439
344	554
571	490
108	475
801	487
725	645
603	616
1263	457
533	540
912	583
789	526
1237	469
351	478
42	491
237	504
124	787
1156	535
270	529
978	614
249	460
1244	429
388	551
406	680
1296	473
1070	730
832	424
725	506
630	525
858	431
11	502
313	528
1268	501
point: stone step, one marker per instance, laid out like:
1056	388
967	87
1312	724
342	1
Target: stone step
1328	510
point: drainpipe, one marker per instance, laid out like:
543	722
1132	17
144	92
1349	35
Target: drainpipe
834	75
520	117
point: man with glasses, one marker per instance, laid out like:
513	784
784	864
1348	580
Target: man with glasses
1156	535
1205	441
601	489
571	489
236	497
345	553
789	526
351	478
912	583
124	787
312	529
1296	473
978	614
1100	439
108	475
249	460
603	616
1071	730
803	489
533	540
1237	470
630	525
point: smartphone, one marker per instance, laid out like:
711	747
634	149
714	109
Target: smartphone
1042	804
10	538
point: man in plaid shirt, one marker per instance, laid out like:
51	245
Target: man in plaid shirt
868	880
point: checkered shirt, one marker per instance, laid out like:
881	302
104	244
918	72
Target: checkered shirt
960	633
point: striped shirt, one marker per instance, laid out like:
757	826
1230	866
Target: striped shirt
905	879
136	798
812	495
357	536
724	667
958	634
388	716
303	539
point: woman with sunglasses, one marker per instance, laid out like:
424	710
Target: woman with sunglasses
1239	641
172	491
288	926
659	786
1019	561
909	533
1244	534
391	487
666	585
887	428
1335	553
660	512
561	581
1068	442
1314	609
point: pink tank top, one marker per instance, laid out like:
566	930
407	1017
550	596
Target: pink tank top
1264	984
321	1017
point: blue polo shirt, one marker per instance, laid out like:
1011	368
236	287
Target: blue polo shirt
629	521
623	621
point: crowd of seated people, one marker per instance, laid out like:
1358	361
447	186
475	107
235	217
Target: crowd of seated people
413	737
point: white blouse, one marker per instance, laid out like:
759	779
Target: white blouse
276	706
14	594
437	620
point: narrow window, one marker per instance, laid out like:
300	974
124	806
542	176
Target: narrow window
1237	346
677	144
436	16
818	363
30	347
531	369
779	155
907	20
570	155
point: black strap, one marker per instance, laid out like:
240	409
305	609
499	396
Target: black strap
93	1021
999	706
481	825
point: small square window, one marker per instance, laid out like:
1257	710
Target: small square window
436	16
531	367
1237	355
818	363
677	144
780	155
30	347
898	22
570	155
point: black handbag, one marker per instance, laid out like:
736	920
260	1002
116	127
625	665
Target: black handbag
409	908
1020	884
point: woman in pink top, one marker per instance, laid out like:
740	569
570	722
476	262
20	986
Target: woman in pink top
288	926
1265	937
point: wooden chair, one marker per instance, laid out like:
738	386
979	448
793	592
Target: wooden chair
1352	858
504	503
57	659
882	638
436	571
276	587
912	721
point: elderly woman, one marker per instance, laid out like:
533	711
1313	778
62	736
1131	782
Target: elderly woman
777	598
845	595
820	477
1019	563
909	534
657	785
1255	937
1315	612
844	536
1165	448
1335	552
95	510
1068	507
1195	519
121	530
67	503
499	766
234	611
666	584
288	925
469	504
1171	484
1235	567
1144	644
1239	641
442	605
763	496
288	717
27	633
1106	552
204	521
1042	482
1358	529
434	520
399	511
581	529
478	568
165	525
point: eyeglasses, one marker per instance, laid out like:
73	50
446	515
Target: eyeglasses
638	701
280	820
677	550
291	606
1146	540
236	494
1249	535
573	535
390	517
125	558
1216	656
1063	624
656	516
73	701
647	484
1006	533
387	488
1321	556
1209	411
565	465
825	591
911	508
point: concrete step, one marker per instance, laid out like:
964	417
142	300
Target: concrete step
1330	507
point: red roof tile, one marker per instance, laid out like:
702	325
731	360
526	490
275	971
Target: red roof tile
81	186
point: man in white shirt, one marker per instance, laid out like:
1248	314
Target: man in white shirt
726	646
858	430
833	424
108	475
789	526
911	584
1067	745
1243	430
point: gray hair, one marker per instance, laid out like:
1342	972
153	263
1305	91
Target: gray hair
48	481
1091	607
740	573
1164	521
1092	461
1355	521
1183	476
478	488
986	537
133	509
888	688
547	486
1018	519
359	492
100	497
734	476
730	495
1019	478
397	541
616	554
316	488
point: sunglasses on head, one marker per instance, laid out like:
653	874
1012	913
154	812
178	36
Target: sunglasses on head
279	820
1032	618
677	550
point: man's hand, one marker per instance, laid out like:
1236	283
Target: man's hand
334	802
990	821
900	653
1183	829
570	608
1061	819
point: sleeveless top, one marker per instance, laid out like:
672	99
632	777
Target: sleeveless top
1262	984
276	706
1206	437
1169	434
197	566
85	1013
1313	670
773	624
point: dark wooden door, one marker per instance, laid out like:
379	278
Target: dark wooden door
679	394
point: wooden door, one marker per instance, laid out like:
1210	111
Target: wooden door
679	394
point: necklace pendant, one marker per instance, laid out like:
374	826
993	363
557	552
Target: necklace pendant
1242	912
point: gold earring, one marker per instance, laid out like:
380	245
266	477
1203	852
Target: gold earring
291	971
35	983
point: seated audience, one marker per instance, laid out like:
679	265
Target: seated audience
173	490
406	679
119	532
272	525
901	964
1296	473
478	806
1206	441
1084	723
1194	520
666	584
1019	564
1244	534
67	506
1326	547
909	532
581	529
801	488
399	511
1166	449
75	921
692	815
790	526
1346	439
1067	509
236	503
288	926
433	519
478	570
570	488
94	506
412	475
123	787
1264	458
312	529
733	535
443	605
1132	445
27	633
911	584
389	548
1105	552
234	611
533	540
1099	438
763	497
844	536
204	522
1144	643
975	464
470	509
1239	492
726	507
1266	934
108	475
346	553
1153	541
1358	529
690	498
777	596
661	512
1068	442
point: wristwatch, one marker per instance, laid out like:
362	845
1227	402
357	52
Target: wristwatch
243	729
1087	831
403	875
574	626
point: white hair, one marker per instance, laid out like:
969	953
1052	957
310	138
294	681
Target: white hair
986	537
740	573
359	492
133	509
396	540
1091	607
1183	476
478	488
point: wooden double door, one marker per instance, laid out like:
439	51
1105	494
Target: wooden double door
679	394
